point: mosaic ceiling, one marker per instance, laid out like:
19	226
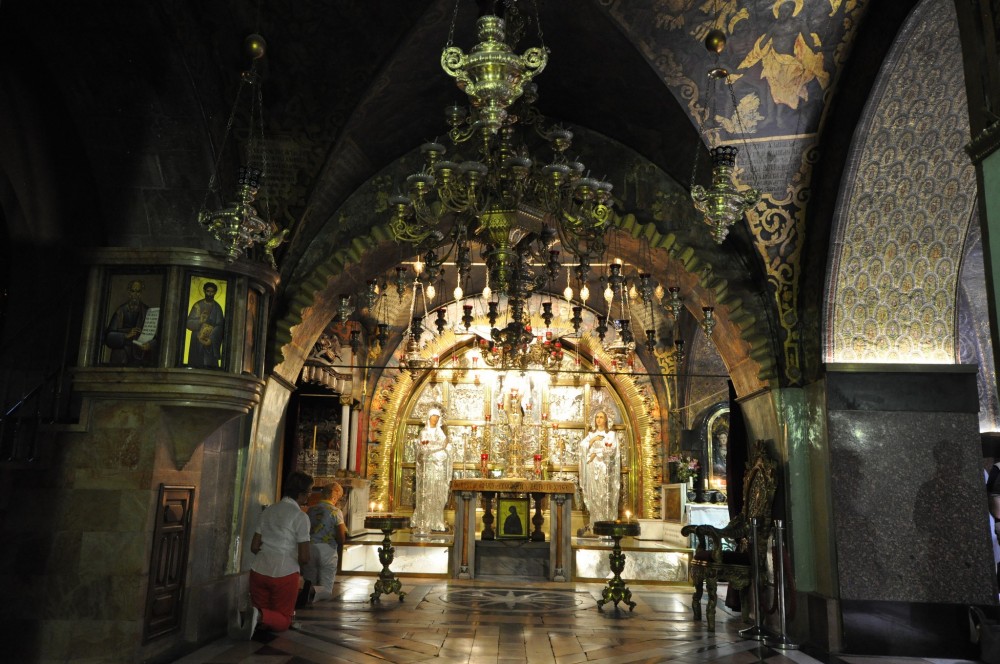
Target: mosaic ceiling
905	213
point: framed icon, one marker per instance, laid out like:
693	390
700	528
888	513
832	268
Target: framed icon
130	332
512	516
205	324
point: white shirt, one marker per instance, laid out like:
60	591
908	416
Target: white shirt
283	526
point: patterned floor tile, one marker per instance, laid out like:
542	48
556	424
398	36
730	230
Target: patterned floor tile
512	623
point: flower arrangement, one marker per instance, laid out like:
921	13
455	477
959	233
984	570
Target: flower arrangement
687	467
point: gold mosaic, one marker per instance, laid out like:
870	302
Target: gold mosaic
906	214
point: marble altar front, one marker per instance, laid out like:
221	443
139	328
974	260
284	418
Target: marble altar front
467	494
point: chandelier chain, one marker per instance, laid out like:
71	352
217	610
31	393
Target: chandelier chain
451	30
214	177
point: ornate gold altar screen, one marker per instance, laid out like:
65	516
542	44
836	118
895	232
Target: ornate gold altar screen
514	423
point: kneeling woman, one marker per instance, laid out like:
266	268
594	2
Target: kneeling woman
281	546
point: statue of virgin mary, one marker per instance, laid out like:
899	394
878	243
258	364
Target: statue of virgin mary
433	476
600	470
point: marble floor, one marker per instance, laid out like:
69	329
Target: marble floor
497	621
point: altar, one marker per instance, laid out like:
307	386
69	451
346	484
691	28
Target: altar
467	495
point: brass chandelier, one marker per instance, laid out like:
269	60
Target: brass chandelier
524	207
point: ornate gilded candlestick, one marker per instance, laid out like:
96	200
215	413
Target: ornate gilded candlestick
544	439
514	452
387	582
616	590
487	442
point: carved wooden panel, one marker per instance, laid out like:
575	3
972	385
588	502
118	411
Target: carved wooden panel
168	564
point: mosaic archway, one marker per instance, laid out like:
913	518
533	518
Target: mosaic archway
401	399
904	215
547	416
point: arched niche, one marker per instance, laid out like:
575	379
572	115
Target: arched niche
401	397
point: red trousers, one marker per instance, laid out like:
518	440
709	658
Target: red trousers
275	597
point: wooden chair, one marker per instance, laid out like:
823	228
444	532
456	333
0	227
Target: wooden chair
711	563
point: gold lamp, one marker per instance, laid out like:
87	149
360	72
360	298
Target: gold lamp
723	203
491	74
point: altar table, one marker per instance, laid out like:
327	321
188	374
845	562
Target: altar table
467	496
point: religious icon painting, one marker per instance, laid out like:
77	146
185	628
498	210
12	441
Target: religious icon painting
252	323
205	323
512	518
129	335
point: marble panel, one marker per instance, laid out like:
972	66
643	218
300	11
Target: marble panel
407	559
909	513
100	478
134	509
515	558
55	640
58	550
90	510
96	638
122	553
646	565
652	529
202	603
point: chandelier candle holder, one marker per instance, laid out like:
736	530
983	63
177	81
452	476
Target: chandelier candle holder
674	303
708	322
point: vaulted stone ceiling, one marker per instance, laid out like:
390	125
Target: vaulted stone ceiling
351	87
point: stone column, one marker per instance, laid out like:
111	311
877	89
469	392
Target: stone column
352	444
345	425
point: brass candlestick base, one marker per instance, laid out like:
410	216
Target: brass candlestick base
616	590
387	583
